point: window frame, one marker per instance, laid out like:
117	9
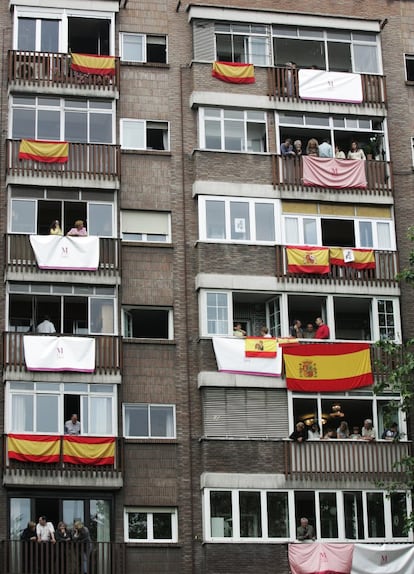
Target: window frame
144	123
408	57
149	407
123	35
169	310
203	296
150	511
247	41
146	237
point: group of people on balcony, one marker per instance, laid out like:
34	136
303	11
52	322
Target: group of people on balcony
78	229
303	433
310	332
315	149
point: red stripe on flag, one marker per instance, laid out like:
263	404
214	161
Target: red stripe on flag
331	385
91	461
33	458
324	349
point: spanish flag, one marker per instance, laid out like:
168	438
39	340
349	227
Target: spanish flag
234	73
305	259
331	367
88	450
34	448
92	64
264	347
355	258
44	151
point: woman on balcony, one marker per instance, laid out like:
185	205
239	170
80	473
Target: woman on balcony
356	152
78	230
55	228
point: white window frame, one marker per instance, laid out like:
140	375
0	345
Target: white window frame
126	311
144	124
407	56
144	37
150	512
146	237
149	407
247	38
203	312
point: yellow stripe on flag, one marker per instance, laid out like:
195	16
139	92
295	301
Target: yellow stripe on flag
33	449
101	452
264	347
308	259
44	151
234	73
360	258
91	64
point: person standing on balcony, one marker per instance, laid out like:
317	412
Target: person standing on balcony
300	434
325	149
297	148
286	149
264	332
46	326
82	539
72	426
78	230
313	147
55	228
309	332
339	153
322	332
296	329
356	152
392	433
305	532
368	431
238	331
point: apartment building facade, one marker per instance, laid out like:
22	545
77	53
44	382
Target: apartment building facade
111	115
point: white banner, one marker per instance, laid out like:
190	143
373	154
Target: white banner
330	86
230	357
68	253
383	559
50	353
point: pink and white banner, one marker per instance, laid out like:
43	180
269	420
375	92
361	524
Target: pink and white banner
231	358
50	353
334	173
330	86
383	559
66	253
318	558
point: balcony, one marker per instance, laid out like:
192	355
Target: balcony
107	353
345	460
20	259
17	557
86	162
34	70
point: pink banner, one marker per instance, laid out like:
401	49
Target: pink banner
318	558
334	173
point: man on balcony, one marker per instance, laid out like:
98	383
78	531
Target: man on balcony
72	426
46	327
322	332
305	532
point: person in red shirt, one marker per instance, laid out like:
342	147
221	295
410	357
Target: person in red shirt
322	332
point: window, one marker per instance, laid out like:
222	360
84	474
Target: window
149	421
146	226
38	34
230	219
233	130
144	134
243	43
409	67
151	525
143	48
148	323
386	320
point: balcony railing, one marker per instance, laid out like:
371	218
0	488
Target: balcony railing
20	257
51	69
287	173
343	460
283	84
384	274
107	353
87	161
20	557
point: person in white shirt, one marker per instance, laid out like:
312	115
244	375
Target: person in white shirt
45	531
46	326
72	426
325	149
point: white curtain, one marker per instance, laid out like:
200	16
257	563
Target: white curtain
22	413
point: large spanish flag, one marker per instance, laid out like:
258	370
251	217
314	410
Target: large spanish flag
44	151
264	347
92	64
305	259
355	258
33	448
331	367
234	73
88	450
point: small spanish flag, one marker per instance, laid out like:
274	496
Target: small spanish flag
88	450
92	64
44	151
234	73
355	258
34	448
304	259
264	347
331	367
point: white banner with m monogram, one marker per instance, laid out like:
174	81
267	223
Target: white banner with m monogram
51	353
66	253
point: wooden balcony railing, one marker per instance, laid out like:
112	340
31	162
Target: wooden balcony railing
384	274
287	173
283	84
20	557
87	161
20	257
344	460
107	353
51	69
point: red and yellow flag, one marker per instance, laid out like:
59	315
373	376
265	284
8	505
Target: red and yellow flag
234	73
305	259
88	450
92	64
331	367
264	347
33	448
44	151
355	258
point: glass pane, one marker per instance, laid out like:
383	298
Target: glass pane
354	526
259	51
292	230
136	420
137	526
100	220
215	220
26	36
162	421
305	53
49	39
19	516
240	220
339	55
250	515
23	216
221	515
76	127
73	510
23	124
398	514
100	525
100	128
100	415
328	510
240	49
256	137
309	231
102	316
133	47
365	59
212	134
223	48
365	234
161	525
217	314
384	235
48	125
277	515
375	508
133	134
47	409
265	222
22	413
234	136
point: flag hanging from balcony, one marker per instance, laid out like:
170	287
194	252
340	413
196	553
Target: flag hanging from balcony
319	558
88	450
334	173
383	559
233	72
51	353
305	259
317	367
231	358
93	64
33	448
66	253
355	258
264	347
44	151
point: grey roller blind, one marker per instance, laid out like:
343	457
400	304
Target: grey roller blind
145	222
203	41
